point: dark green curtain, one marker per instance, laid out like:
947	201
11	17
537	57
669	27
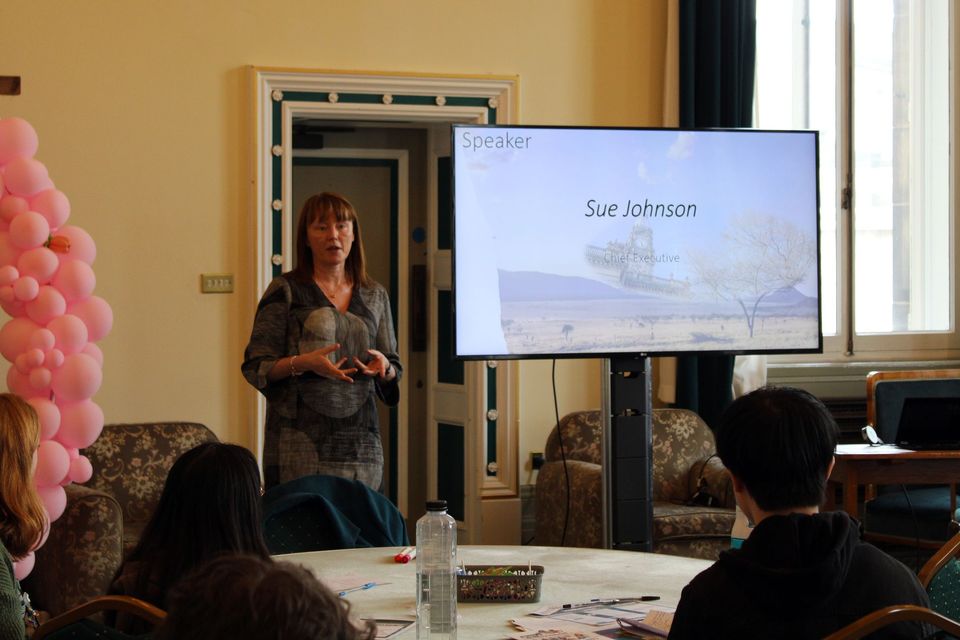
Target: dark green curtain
717	56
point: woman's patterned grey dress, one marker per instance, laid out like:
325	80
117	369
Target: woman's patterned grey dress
314	424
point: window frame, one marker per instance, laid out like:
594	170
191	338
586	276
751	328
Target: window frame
849	353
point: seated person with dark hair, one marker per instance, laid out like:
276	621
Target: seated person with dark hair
210	505
236	596
800	573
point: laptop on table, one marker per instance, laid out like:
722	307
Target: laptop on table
929	424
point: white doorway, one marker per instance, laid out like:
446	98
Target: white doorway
376	182
464	449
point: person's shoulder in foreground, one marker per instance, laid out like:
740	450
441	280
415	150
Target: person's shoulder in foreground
242	596
800	573
797	576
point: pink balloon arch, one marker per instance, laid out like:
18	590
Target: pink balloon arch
46	286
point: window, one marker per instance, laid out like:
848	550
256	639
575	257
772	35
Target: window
873	76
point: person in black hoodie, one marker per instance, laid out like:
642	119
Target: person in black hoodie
800	573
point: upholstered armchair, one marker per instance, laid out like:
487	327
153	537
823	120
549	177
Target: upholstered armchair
104	518
683	453
81	554
131	462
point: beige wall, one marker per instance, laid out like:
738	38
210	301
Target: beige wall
143	113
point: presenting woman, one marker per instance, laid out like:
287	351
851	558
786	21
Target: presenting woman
322	351
22	516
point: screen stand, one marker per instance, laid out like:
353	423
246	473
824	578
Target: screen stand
627	454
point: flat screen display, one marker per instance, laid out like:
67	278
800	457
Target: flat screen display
595	242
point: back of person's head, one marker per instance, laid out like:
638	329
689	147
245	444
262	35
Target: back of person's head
22	517
210	505
236	596
779	441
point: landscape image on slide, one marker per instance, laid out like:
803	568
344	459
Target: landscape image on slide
596	241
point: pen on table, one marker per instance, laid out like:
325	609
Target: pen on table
406	555
362	587
598	602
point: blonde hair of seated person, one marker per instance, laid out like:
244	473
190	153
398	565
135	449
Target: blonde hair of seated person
22	516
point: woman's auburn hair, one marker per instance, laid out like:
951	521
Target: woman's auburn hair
320	206
23	518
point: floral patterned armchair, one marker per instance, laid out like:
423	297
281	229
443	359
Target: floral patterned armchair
105	516
131	462
683	453
81	554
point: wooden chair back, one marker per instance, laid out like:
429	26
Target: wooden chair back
126	604
937	561
875	377
942	382
889	615
940	576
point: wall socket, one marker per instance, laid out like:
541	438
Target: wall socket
216	283
536	459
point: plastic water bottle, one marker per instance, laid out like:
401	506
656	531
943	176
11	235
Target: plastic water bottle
436	573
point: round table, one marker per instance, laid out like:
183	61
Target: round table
571	575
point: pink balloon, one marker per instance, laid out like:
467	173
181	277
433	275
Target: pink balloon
78	379
7	294
82	246
8	251
22	363
43	537
49	414
53	205
80	424
8	275
74	453
53	462
18	139
39	263
69	332
48	305
26	289
42	339
75	280
54	498
40	378
53	358
28	360
26	177
34	356
81	470
14	337
96	314
12	206
23	566
94	352
19	384
29	230
14	309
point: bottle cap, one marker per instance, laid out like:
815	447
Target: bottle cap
436	505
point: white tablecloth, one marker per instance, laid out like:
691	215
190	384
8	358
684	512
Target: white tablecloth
570	575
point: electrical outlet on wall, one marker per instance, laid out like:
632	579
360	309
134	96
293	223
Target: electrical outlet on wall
536	459
216	283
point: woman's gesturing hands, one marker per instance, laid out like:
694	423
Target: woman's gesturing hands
378	366
318	362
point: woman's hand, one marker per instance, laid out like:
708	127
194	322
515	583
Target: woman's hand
378	366
318	362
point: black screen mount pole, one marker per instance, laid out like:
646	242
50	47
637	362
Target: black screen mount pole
627	449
